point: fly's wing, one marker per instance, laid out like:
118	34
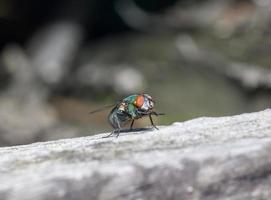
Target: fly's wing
101	109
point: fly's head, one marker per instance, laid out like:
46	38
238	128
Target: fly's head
144	102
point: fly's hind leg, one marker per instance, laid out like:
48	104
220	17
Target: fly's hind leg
115	130
112	133
118	129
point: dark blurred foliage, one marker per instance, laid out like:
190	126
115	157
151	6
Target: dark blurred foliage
98	17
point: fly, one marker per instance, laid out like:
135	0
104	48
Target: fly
130	109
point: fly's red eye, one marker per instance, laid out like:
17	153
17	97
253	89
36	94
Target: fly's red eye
139	101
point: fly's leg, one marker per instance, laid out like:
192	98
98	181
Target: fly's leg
152	121
156	114
114	131
131	126
118	130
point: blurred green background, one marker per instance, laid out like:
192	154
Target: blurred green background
61	59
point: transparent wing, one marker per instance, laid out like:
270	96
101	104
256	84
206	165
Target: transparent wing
101	109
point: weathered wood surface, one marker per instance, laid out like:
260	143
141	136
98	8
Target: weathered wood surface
205	158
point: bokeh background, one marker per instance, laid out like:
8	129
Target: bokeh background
61	59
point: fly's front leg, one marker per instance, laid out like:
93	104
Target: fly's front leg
152	122
156	114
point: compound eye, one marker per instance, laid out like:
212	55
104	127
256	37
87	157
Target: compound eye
139	101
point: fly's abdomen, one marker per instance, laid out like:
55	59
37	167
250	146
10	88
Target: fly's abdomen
117	118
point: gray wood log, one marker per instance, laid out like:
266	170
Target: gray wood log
205	158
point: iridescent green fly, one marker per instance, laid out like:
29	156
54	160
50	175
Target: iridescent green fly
129	109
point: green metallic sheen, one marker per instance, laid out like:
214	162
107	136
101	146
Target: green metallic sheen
126	111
